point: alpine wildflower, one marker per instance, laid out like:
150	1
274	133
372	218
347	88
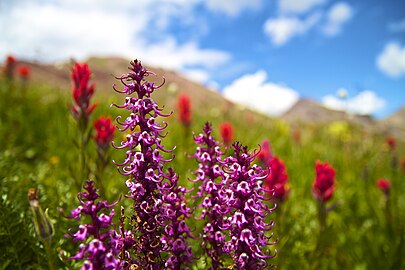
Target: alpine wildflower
99	244
159	207
247	223
324	184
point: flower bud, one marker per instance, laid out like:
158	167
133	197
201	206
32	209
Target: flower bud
42	223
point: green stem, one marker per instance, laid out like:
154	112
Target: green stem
320	245
48	249
101	165
82	159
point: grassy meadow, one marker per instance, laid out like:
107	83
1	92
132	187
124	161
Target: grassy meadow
365	228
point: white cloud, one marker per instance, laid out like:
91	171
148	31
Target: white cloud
338	15
253	91
57	30
298	6
169	54
196	75
232	7
391	60
366	103
280	30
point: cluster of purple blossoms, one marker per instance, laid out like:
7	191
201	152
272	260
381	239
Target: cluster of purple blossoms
159	208
248	220
100	245
176	230
232	201
213	194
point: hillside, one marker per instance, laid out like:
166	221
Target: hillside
59	76
395	124
309	111
205	100
306	110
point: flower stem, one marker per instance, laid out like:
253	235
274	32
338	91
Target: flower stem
48	250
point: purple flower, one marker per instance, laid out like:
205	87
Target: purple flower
99	245
247	226
214	195
159	207
232	196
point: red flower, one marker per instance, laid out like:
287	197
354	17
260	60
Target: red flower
184	106
104	131
403	164
226	130
296	135
10	60
265	152
323	187
384	185
9	66
277	179
24	71
391	142
82	91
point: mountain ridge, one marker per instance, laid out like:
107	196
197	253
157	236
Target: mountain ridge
303	111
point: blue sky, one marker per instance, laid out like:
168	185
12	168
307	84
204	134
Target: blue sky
263	54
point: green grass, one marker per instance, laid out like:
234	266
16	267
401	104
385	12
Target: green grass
364	231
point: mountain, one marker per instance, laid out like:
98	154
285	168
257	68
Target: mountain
309	111
395	124
105	71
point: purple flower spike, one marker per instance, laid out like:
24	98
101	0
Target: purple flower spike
232	196
99	245
158	203
214	195
247	223
176	230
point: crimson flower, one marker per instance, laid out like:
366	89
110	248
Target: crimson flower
323	187
104	131
391	142
384	185
24	71
265	152
82	92
10	60
277	179
226	130
184	106
9	66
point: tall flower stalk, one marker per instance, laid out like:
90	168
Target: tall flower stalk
236	216
104	135
99	243
392	145
159	208
9	67
323	189
81	109
248	226
214	194
24	73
